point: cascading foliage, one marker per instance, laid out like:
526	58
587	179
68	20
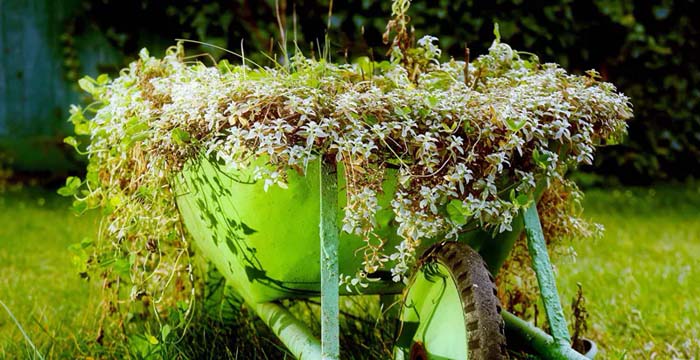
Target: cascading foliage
467	141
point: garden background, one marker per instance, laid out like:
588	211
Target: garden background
638	279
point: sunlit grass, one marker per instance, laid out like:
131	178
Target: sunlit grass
37	280
640	280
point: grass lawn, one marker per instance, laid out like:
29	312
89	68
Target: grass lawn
640	279
38	282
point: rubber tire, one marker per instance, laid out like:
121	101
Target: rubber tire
481	307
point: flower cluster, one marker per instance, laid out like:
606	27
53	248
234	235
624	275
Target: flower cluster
467	143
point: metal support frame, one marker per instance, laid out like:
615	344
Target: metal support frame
301	342
537	247
559	345
330	313
540	341
295	335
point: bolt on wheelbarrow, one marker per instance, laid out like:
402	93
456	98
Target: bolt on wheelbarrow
285	243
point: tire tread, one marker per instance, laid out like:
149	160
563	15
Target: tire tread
482	308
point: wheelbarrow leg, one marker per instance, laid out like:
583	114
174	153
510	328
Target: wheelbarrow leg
330	331
559	345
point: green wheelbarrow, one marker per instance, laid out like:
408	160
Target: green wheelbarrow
284	243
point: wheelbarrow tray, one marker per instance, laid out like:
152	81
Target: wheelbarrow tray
268	246
266	243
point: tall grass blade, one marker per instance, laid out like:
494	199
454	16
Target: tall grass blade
21	329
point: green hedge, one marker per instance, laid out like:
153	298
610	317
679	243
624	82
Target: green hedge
649	49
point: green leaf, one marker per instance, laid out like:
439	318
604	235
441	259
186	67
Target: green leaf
145	191
384	217
468	128
247	230
82	128
79	206
103	79
79	258
402	111
224	66
521	200
439	80
496	33
134	125
432	101
80	123
86	243
152	339
383	66
121	267
165	331
115	200
365	65
72	141
76	114
370	119
92	178
457	211
143	54
75	247
71	188
112	204
88	85
515	126
540	159
180	136
64	191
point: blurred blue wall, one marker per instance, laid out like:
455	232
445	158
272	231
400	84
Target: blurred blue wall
35	92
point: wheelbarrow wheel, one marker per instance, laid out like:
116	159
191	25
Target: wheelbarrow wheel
450	309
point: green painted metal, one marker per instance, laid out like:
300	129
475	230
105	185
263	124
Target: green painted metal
518	330
295	335
263	241
328	232
545	276
433	316
242	228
